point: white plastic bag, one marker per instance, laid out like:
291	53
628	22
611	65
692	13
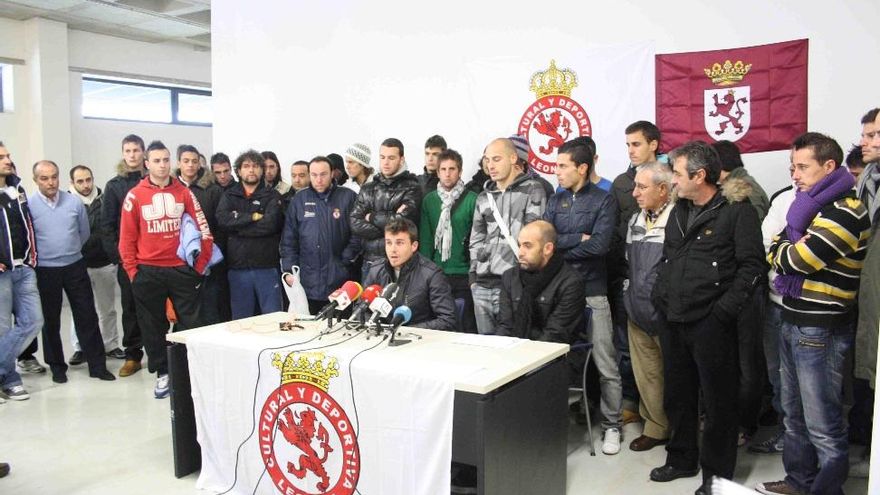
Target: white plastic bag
299	303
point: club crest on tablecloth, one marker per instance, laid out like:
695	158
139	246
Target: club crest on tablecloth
307	442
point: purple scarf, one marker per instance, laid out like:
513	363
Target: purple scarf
801	213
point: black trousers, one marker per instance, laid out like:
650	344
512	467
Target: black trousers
752	365
74	281
152	286
701	357
461	289
29	351
131	330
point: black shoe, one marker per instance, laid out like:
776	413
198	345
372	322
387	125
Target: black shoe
666	473
4	469
103	375
773	445
701	491
77	358
59	377
116	353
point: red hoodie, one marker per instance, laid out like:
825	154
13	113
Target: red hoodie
149	230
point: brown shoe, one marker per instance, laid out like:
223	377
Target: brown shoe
628	417
644	443
777	488
129	368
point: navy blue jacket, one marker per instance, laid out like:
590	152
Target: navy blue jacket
590	211
17	206
317	238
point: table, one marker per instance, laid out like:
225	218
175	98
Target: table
510	414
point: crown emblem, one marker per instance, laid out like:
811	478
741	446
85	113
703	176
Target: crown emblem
307	367
553	81
727	74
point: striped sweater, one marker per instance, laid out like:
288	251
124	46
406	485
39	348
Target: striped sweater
830	257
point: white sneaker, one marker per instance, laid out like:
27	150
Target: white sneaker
16	392
161	391
611	443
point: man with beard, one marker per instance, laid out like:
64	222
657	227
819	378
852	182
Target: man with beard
252	218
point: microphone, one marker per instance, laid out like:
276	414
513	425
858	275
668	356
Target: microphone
381	306
341	298
402	315
369	294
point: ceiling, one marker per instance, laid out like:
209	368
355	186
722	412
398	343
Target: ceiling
185	21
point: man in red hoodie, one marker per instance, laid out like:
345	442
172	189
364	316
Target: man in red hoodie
149	236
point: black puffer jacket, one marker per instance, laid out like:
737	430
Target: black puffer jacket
559	314
381	199
712	267
114	194
251	244
423	288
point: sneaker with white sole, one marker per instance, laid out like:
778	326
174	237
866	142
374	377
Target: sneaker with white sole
777	488
31	366
162	390
16	392
611	441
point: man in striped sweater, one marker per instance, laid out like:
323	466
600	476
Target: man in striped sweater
818	258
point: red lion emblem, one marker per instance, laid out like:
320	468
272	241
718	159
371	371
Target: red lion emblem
300	432
725	109
551	128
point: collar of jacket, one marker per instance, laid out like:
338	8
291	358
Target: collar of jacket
394	178
122	170
710	210
492	186
405	270
203	179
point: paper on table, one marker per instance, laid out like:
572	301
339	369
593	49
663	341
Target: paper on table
491	341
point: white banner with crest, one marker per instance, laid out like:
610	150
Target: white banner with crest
295	415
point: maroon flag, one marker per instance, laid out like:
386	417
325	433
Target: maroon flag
755	96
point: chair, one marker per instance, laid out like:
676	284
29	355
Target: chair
586	347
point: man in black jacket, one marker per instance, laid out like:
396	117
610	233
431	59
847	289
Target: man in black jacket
214	294
713	259
130	171
252	217
543	297
394	193
102	273
423	287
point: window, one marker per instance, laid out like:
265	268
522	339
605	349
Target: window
105	98
6	88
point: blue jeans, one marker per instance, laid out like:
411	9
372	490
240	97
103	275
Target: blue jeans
772	329
19	297
815	456
255	291
486	308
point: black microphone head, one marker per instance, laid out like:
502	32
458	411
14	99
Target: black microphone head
390	291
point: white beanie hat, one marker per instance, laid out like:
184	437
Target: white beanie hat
359	153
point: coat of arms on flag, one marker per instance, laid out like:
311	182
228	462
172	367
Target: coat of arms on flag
756	96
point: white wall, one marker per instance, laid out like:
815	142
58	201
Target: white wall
306	78
93	142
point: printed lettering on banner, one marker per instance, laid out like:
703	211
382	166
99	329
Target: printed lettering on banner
553	118
307	442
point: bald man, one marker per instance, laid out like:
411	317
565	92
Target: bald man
510	200
542	297
61	227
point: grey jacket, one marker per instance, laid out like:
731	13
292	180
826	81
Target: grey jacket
869	310
522	202
644	253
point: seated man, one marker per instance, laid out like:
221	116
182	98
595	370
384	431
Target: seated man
543	297
423	287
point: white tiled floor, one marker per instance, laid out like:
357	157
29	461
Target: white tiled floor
89	437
